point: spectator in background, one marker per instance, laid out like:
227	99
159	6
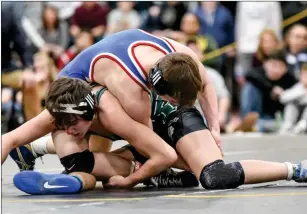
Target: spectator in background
34	83
65	8
217	21
295	101
13	36
291	8
124	17
91	16
142	7
263	88
189	34
296	47
33	11
53	31
38	82
83	40
222	92
268	43
190	27
166	15
13	40
251	19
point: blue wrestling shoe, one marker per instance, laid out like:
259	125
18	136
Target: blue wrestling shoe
24	157
36	183
300	172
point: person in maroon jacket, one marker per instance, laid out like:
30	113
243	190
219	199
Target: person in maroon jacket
91	16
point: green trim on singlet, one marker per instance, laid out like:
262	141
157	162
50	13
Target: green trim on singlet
112	136
99	93
160	109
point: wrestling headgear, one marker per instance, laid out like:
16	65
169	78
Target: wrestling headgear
86	108
156	79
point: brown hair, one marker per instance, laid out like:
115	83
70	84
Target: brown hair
259	52
44	19
66	91
182	73
277	55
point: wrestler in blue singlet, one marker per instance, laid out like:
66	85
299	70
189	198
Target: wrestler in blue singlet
118	47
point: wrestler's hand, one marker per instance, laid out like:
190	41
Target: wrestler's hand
217	137
118	181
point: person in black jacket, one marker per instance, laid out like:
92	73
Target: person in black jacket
13	36
21	76
13	39
265	85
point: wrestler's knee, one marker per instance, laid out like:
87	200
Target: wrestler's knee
79	162
218	175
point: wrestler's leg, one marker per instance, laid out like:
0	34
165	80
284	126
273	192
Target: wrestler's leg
96	144
74	155
99	144
83	167
207	152
88	181
201	153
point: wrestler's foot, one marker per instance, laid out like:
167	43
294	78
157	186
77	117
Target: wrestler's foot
25	157
170	178
36	183
300	172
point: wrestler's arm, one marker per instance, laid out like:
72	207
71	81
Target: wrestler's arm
116	120
207	98
35	128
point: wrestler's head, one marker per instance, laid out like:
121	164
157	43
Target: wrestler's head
176	79
72	104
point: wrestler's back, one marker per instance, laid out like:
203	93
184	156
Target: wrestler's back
121	62
124	51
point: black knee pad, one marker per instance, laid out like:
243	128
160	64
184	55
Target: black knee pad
218	175
79	162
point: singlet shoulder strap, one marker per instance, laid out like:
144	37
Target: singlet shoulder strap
99	93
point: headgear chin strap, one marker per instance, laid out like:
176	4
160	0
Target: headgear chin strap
86	108
156	79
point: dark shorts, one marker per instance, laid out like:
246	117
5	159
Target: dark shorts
178	124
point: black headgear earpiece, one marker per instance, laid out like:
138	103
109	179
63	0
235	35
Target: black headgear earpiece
86	108
156	79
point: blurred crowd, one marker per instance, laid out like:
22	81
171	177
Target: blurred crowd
261	82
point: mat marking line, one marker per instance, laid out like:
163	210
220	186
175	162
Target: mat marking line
238	195
165	197
71	200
